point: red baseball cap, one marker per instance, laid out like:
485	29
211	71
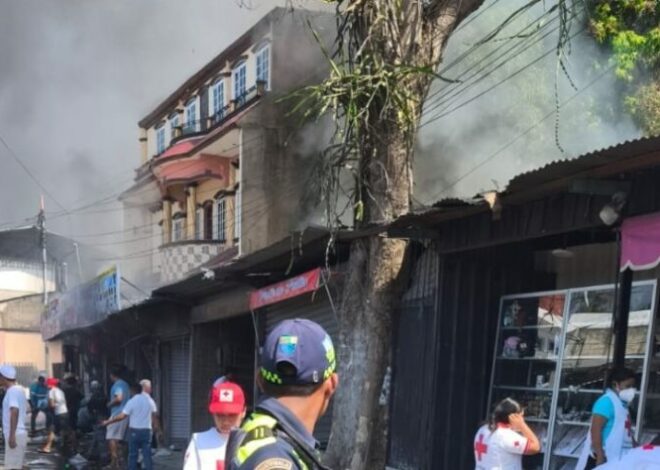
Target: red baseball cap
227	398
52	382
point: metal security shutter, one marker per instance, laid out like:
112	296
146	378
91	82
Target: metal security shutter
320	311
176	382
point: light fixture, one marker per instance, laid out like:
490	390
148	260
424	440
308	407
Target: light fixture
562	253
611	212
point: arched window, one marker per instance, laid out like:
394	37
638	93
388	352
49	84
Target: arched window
160	139
217	100
192	116
239	77
221	218
263	65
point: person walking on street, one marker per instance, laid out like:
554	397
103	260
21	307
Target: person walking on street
38	402
610	436
14	408
157	434
207	450
116	432
500	444
297	374
139	410
60	423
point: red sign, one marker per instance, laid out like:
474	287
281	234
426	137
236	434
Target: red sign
307	282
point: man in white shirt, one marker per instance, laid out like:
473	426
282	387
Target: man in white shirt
60	419
155	421
206	450
14	407
139	410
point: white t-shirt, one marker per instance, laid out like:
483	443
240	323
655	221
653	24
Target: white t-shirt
14	398
501	449
206	451
640	458
153	403
56	395
139	410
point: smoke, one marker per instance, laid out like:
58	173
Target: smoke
76	76
470	143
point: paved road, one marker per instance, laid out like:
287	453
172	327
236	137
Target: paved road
163	460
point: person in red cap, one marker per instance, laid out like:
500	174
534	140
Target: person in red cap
206	450
60	419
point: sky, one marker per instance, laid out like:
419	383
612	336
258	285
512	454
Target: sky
75	78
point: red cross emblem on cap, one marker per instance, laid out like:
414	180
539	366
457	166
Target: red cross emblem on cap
226	396
480	448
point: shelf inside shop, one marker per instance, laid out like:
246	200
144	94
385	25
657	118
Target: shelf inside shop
545	359
582	390
573	423
566	456
522	389
532	419
531	327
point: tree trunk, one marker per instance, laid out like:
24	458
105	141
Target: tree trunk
372	289
377	266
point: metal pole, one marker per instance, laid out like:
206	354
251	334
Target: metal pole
44	262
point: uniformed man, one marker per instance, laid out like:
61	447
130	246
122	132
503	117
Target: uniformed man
297	375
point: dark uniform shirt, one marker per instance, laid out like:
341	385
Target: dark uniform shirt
280	455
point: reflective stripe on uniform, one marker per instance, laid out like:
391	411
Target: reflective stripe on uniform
259	425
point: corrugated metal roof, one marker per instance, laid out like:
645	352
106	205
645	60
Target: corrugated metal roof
585	162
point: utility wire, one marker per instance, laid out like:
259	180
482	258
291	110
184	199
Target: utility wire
30	174
523	134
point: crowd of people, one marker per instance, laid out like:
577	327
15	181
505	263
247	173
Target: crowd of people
297	375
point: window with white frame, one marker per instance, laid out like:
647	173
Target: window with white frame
191	116
199	224
178	226
263	65
160	139
240	84
217	100
221	219
174	123
237	215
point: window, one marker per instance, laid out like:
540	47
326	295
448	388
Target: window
160	139
237	215
217	100
263	66
239	83
177	229
174	123
191	116
221	217
199	224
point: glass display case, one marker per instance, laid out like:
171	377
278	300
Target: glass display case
552	352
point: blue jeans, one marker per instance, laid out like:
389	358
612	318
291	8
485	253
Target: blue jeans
139	439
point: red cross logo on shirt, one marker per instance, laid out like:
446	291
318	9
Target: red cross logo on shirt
480	448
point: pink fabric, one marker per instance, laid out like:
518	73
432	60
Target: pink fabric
640	242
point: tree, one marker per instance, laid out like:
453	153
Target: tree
381	69
631	29
382	65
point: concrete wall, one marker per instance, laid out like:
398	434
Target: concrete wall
23	313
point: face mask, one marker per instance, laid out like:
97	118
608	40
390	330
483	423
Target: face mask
627	394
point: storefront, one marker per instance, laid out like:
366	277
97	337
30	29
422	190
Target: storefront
525	298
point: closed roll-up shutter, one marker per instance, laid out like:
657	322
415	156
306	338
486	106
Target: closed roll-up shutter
320	311
176	364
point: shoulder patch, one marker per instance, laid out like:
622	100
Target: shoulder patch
275	463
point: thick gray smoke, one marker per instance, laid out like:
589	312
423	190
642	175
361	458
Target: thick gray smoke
76	76
466	147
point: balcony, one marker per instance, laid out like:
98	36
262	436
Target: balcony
202	127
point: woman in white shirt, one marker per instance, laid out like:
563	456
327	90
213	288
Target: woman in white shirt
207	450
500	444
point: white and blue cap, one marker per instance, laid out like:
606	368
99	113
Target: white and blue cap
8	371
297	352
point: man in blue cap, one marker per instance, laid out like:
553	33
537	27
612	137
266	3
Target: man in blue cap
297	375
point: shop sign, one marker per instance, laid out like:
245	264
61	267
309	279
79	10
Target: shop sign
82	306
307	282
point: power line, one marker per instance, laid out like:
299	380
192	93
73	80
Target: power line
30	174
520	136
